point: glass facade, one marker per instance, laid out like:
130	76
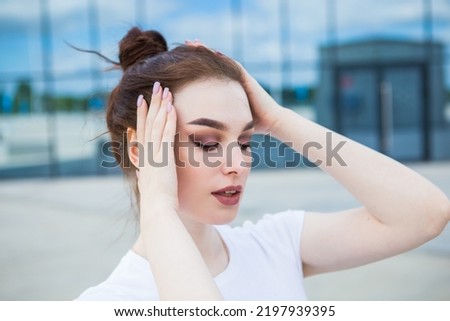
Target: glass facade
52	97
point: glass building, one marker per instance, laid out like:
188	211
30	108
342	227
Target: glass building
377	71
388	95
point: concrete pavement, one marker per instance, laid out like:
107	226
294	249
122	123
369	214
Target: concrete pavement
60	236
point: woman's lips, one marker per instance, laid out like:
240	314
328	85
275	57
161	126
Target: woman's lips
229	195
228	200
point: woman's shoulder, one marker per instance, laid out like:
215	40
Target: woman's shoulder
275	229
131	280
274	222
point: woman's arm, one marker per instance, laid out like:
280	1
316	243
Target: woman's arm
401	209
178	268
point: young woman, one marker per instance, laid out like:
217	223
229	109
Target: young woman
187	156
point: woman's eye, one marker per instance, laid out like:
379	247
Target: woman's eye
245	146
208	147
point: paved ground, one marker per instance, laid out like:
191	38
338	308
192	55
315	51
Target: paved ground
60	236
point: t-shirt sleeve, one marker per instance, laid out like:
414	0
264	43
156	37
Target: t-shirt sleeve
131	280
123	290
282	230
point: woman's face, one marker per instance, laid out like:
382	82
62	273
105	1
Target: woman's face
215	126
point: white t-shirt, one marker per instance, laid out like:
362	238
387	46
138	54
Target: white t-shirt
264	264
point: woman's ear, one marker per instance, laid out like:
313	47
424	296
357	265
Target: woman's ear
133	147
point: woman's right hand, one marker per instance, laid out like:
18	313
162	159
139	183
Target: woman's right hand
178	268
155	133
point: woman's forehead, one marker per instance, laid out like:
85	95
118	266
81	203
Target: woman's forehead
220	100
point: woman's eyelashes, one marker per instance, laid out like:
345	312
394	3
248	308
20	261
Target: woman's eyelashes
207	144
207	147
245	146
212	145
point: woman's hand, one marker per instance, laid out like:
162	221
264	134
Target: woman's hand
177	265
155	132
264	108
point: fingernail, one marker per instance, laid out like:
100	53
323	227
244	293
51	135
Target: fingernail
165	93
169	107
139	100
156	87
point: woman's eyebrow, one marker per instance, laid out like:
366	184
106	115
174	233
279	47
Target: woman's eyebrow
217	124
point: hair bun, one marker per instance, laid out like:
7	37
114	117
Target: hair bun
138	45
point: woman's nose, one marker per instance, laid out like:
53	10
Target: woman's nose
236	160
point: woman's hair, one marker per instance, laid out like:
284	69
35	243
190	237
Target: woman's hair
144	58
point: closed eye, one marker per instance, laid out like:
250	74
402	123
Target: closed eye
245	146
207	147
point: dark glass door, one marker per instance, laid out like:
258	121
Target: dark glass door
357	106
401	113
383	108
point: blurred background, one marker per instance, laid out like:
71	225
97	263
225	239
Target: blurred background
375	71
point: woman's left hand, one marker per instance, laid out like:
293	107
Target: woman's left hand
265	109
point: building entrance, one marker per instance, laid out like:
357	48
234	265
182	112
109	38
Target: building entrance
383	107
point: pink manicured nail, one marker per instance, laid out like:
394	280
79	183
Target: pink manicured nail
165	93
156	87
169	107
139	100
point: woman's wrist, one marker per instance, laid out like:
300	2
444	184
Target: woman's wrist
277	121
163	206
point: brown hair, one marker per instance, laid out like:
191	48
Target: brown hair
145	59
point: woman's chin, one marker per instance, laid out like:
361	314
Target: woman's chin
224	220
217	218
